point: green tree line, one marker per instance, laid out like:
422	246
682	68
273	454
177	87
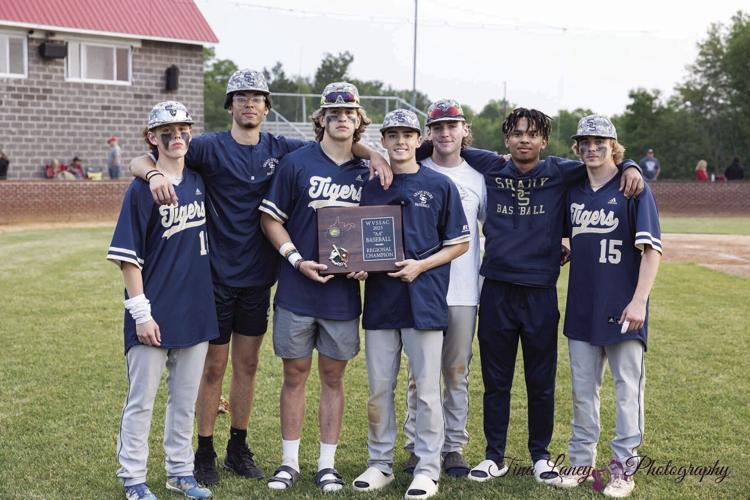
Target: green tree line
707	117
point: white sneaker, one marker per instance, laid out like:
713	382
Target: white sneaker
620	485
572	480
545	472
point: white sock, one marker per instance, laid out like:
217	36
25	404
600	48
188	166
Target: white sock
327	458
290	453
327	461
290	458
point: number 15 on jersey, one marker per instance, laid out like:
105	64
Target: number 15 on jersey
609	251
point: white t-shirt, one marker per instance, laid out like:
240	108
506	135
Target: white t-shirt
464	285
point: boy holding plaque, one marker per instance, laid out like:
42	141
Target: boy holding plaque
312	311
408	308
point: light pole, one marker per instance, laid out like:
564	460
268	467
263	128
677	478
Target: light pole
414	61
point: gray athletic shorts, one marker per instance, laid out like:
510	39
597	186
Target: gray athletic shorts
295	336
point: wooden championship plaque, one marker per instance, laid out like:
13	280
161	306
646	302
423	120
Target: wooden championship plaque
365	238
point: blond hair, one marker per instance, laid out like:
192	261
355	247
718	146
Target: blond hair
702	165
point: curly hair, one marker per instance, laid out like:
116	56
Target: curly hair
537	121
319	113
618	150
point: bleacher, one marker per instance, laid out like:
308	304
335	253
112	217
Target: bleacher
291	126
304	131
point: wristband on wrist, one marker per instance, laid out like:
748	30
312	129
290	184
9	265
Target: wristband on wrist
287	249
139	308
295	259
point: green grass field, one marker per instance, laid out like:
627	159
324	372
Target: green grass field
706	225
62	385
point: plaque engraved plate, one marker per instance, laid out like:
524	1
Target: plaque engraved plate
366	238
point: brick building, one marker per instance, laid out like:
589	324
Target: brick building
72	76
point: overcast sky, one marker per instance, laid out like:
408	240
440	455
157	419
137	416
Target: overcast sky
551	54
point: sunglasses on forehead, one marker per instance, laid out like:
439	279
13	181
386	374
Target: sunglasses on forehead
340	97
440	113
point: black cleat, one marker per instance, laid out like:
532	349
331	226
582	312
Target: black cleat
239	460
205	467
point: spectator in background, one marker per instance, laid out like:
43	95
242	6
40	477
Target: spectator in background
701	171
650	166
114	158
734	171
4	162
76	168
52	168
57	170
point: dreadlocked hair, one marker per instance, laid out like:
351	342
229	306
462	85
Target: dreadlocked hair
537	121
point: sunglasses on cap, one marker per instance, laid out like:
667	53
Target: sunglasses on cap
452	112
340	97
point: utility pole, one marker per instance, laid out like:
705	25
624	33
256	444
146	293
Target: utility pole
505	99
414	62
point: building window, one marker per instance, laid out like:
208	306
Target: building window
98	63
12	56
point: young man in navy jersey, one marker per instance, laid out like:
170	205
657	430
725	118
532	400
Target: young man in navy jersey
163	255
312	311
449	133
616	248
523	230
407	308
237	166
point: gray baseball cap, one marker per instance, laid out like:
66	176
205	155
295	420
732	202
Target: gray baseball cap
247	79
168	112
401	118
445	110
596	126
340	95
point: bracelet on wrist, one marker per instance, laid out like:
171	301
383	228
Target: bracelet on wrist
153	173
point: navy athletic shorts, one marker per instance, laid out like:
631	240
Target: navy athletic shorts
243	311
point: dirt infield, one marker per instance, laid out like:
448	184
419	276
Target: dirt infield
721	252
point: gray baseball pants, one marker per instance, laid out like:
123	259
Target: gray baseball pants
457	354
626	362
383	351
145	365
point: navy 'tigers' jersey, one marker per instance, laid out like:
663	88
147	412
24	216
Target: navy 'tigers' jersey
237	178
432	218
607	234
306	180
170	246
525	216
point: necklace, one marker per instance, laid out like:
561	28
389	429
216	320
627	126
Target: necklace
597	186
